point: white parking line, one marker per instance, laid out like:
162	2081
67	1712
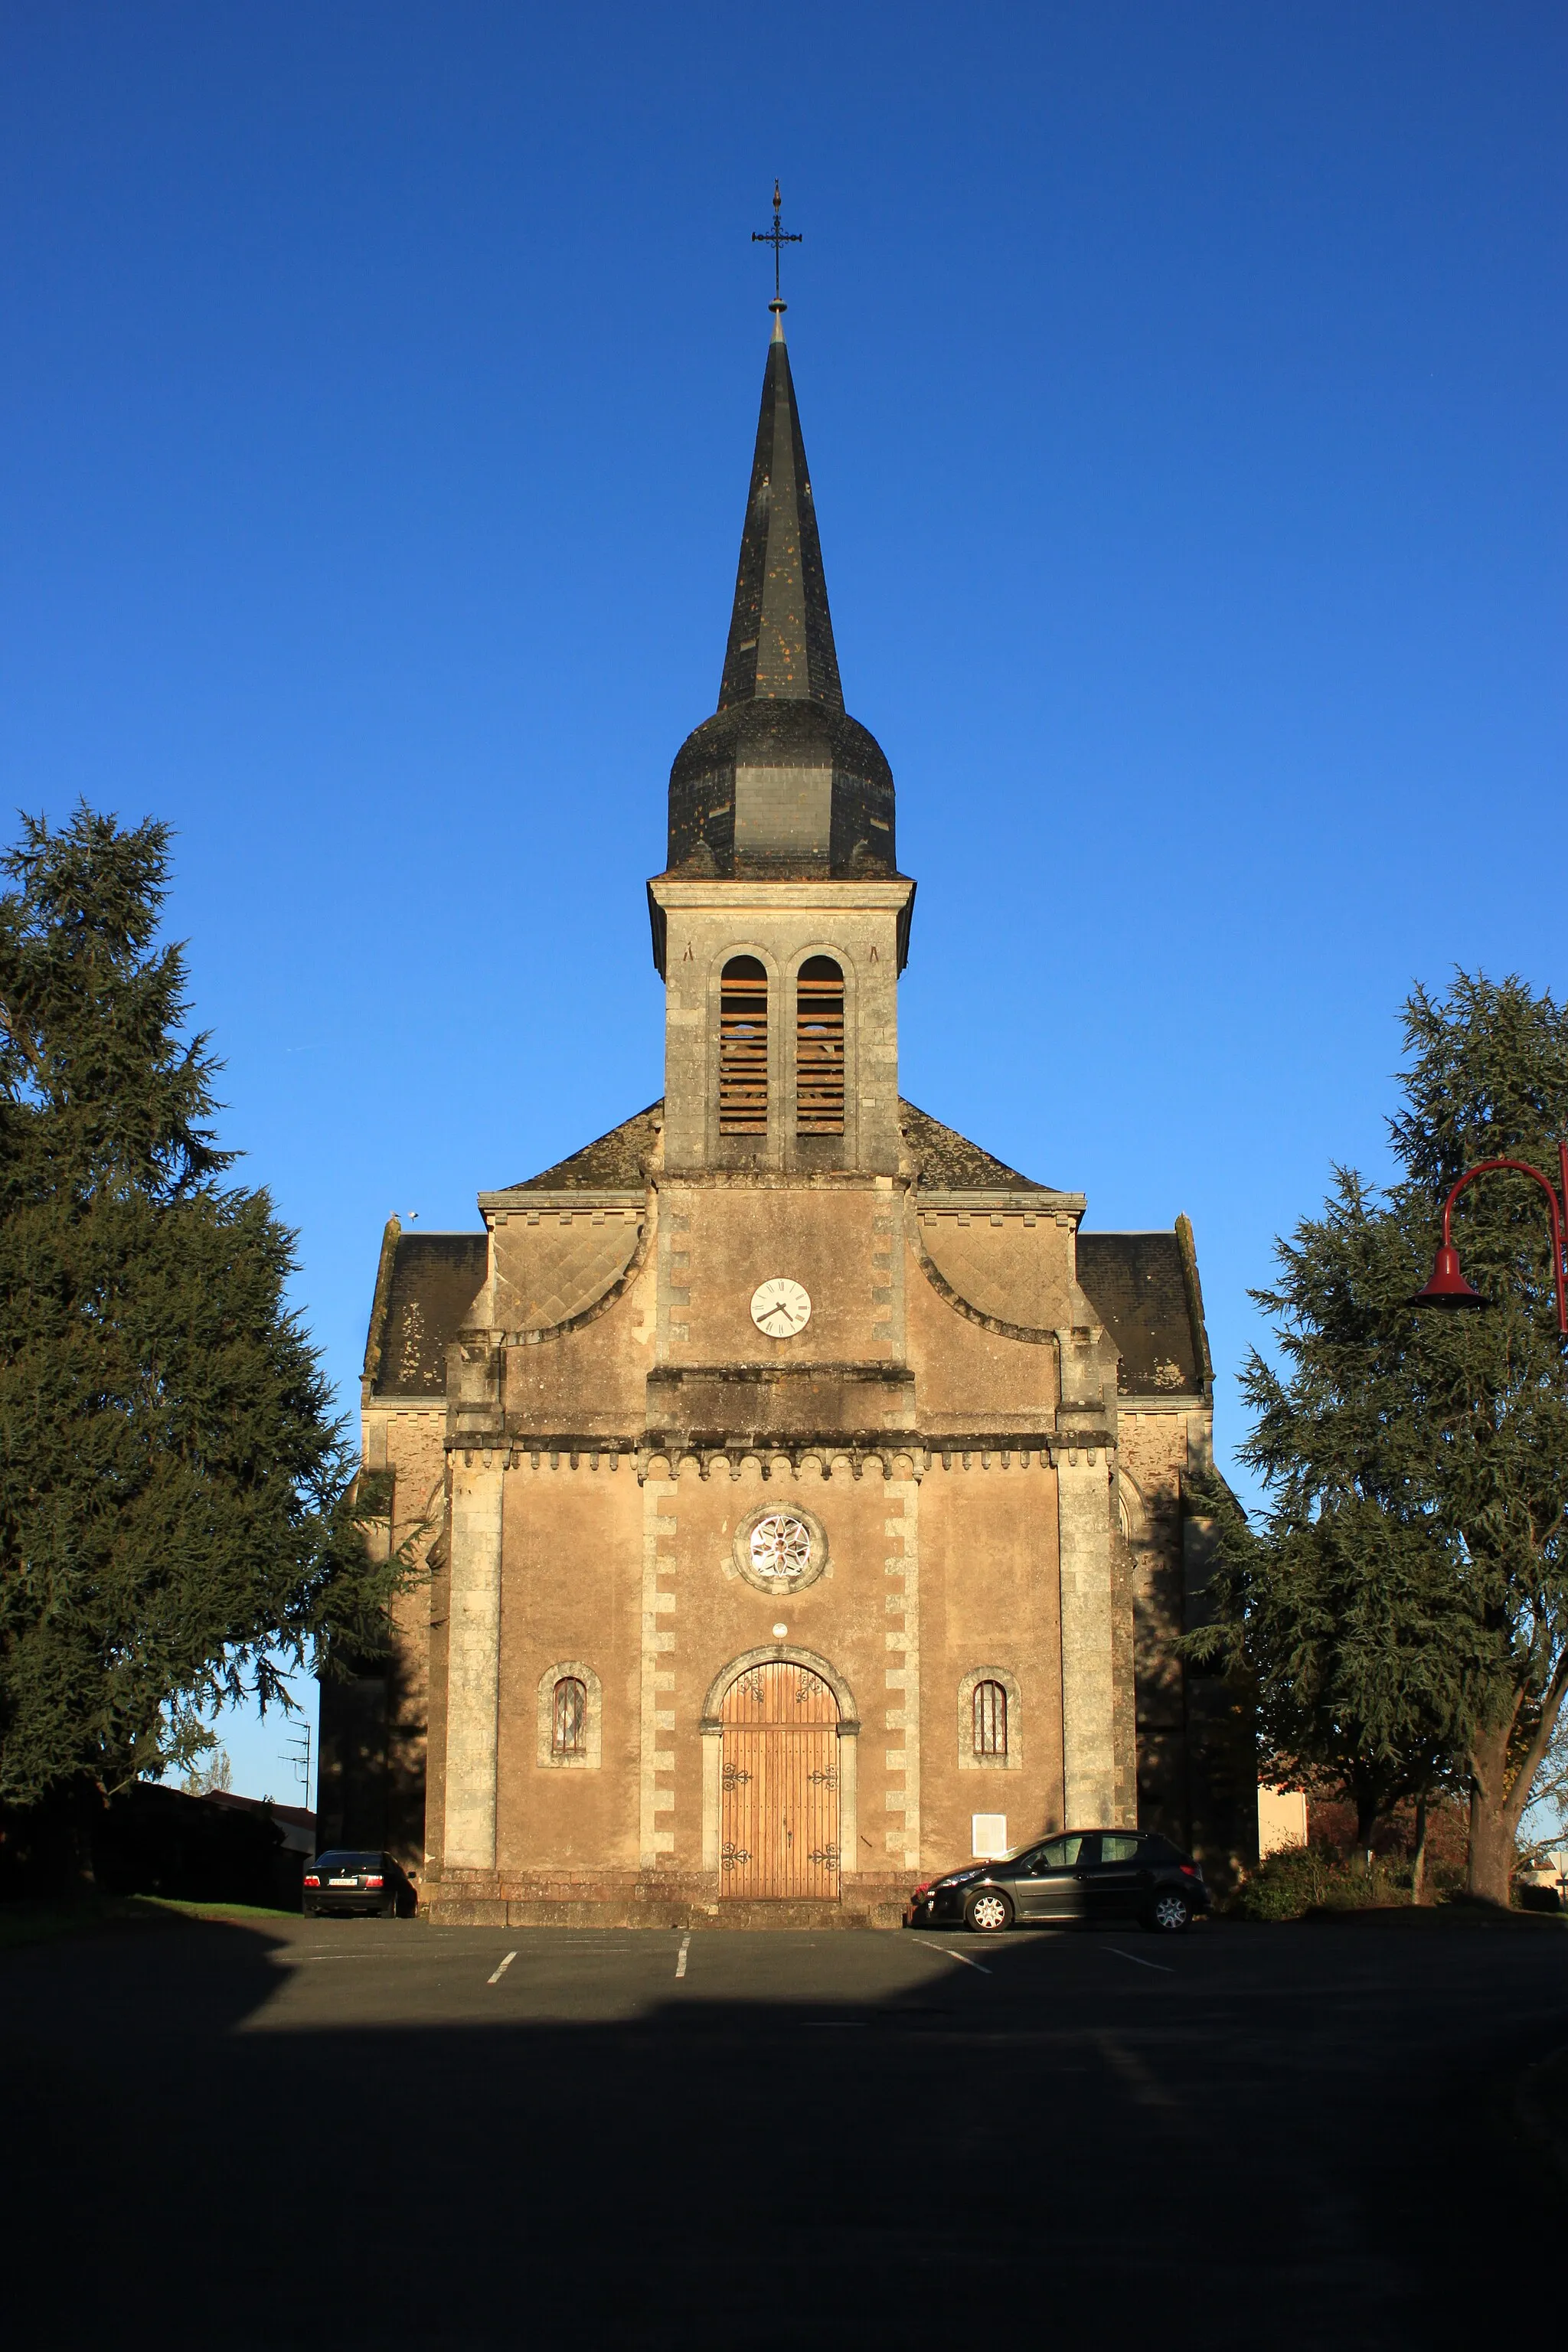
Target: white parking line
1138	1963
502	1970
967	1961
302	1958
681	1956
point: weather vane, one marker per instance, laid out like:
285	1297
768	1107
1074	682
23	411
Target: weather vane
777	237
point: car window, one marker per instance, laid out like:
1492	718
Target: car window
1064	1852
1118	1848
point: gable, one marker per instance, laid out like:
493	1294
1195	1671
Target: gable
939	1156
935	1155
617	1160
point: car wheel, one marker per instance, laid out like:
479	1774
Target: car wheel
1168	1915
988	1912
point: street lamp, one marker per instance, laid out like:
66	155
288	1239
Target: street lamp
1448	1287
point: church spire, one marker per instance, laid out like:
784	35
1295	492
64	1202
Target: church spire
781	783
781	632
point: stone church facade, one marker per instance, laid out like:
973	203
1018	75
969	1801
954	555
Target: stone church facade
800	1490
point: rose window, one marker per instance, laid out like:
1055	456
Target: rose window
781	1546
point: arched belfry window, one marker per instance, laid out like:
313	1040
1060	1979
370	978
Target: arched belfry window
743	1048
820	1048
990	1719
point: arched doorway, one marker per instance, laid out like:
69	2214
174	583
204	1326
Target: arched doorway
779	1835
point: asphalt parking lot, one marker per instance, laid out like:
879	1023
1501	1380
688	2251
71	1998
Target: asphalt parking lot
312	2132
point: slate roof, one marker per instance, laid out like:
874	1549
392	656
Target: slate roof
948	1161
421	1304
1147	1297
612	1163
940	1157
781	632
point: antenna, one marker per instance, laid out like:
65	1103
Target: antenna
297	1756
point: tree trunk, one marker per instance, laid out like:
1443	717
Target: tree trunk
1419	1859
1494	1817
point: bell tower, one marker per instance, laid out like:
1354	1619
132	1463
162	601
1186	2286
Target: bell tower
781	923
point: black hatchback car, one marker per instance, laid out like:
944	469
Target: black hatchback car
1088	1876
355	1882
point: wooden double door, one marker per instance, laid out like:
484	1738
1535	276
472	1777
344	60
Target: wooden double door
779	1836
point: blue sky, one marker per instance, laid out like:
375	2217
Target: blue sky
1184	389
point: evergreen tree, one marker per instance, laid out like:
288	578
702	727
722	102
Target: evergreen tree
1347	1606
175	1498
1408	1592
1489	1080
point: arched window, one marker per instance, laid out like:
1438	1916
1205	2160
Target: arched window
569	1733
990	1719
570	1722
743	1048
820	1048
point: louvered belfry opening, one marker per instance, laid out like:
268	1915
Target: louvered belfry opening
820	1048
743	1048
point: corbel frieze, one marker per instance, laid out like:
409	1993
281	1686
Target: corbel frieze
827	1460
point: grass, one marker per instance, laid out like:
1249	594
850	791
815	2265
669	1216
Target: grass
44	1920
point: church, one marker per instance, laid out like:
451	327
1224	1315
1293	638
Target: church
800	1491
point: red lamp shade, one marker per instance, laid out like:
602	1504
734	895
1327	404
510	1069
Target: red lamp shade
1448	1287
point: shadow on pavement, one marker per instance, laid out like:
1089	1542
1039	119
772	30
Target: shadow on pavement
1247	2142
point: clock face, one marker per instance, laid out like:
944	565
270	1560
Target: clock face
780	1308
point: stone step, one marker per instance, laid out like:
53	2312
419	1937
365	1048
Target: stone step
495	1911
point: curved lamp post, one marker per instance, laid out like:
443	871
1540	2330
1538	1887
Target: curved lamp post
1448	1287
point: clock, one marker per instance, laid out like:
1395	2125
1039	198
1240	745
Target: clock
780	1308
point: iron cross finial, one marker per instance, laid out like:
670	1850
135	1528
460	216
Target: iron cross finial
777	237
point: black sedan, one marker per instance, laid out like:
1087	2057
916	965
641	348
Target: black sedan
1090	1876
363	1883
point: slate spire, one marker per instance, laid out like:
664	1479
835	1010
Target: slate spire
781	632
781	783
